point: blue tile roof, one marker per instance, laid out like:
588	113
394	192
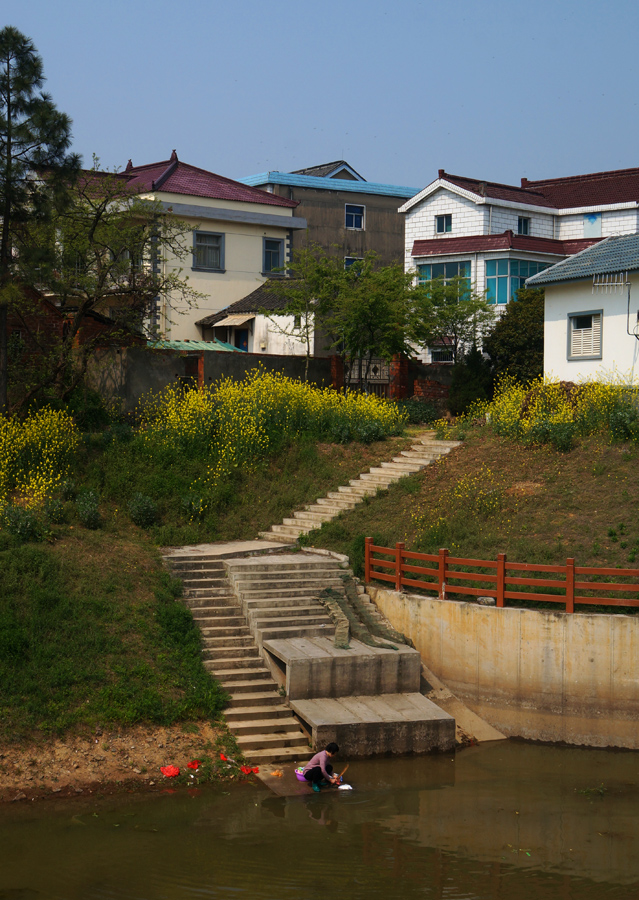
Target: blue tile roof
619	253
330	184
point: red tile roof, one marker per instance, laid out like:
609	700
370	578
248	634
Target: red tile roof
477	243
498	191
599	188
176	177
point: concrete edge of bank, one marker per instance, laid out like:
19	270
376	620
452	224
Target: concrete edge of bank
537	674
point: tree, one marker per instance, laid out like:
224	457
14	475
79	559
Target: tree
370	315
450	313
35	169
315	280
516	343
471	381
108	254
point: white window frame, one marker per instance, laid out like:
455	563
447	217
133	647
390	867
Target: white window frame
353	259
354	206
441	219
580	344
523	225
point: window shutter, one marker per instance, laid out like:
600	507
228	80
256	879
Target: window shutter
586	341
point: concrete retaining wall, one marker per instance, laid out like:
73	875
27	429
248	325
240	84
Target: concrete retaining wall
536	674
127	374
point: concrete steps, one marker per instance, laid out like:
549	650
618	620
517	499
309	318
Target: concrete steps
422	453
239	603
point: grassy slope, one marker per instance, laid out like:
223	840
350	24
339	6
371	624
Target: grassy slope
89	632
552	505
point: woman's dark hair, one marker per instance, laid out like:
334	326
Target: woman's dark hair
332	747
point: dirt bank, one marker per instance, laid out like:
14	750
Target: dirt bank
102	761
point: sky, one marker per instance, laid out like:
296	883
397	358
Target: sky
494	90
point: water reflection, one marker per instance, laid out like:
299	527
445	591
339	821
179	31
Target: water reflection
498	821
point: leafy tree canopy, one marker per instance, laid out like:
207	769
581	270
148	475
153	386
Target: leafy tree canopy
108	253
516	343
450	313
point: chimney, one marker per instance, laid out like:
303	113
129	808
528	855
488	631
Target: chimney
129	166
441	173
524	182
174	156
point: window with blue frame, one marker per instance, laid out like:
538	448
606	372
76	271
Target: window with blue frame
504	277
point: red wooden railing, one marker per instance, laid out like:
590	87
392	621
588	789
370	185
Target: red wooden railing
442	574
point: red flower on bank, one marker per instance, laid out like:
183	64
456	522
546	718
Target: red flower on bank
256	770
194	764
223	758
169	771
246	769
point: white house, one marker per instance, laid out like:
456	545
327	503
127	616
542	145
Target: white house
240	235
499	235
591	319
256	325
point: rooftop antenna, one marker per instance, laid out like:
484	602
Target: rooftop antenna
610	283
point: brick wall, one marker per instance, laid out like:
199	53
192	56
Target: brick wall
430	391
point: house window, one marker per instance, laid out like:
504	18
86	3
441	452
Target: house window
355	217
441	355
443	224
584	335
273	255
592	225
504	277
208	251
523	225
445	271
349	260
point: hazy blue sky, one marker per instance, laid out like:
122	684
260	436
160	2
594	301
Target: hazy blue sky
490	89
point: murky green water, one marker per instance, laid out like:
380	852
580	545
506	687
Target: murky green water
500	821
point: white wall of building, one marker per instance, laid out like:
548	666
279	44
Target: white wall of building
273	335
620	351
243	262
570	227
504	218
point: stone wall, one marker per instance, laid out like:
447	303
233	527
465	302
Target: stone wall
535	674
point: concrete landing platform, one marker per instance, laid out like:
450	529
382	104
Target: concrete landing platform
287	784
224	549
313	667
369	726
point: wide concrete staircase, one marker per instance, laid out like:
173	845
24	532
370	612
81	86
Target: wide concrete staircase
423	452
238	603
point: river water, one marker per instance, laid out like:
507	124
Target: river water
506	820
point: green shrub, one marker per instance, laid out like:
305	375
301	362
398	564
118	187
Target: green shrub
88	409
194	507
418	412
88	511
23	524
55	511
143	511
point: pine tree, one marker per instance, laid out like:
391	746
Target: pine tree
35	167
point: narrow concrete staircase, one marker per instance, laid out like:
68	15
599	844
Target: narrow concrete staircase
239	603
423	452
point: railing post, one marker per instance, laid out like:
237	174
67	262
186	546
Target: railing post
399	549
570	585
367	559
501	578
443	560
